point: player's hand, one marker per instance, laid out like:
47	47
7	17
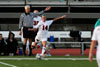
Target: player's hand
90	57
34	29
30	29
48	8
64	16
20	32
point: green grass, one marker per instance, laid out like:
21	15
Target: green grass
49	63
47	57
3	65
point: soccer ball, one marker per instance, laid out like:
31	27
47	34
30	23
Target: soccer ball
38	56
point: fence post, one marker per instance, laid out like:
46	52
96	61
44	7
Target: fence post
82	48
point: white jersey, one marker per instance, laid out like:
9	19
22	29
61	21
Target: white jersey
42	34
44	27
96	37
36	21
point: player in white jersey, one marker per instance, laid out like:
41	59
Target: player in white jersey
36	20
42	34
95	40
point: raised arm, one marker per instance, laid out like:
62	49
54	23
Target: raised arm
41	12
59	18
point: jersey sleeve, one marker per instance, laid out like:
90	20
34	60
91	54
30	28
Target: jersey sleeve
21	21
50	22
94	36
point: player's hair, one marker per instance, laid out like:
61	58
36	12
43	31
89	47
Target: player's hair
43	15
35	11
27	6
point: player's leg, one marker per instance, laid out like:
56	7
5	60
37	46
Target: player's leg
44	42
27	47
24	46
37	39
34	44
30	36
44	48
25	36
30	43
33	40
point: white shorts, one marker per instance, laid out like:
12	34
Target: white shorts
98	58
41	38
98	62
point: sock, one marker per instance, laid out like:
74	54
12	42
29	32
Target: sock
30	52
24	49
43	50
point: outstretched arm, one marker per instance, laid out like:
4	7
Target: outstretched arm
47	8
41	12
59	18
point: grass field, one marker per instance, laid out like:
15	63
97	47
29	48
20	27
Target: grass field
59	61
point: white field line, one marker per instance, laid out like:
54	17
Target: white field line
46	59
7	64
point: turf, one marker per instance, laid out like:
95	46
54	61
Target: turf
47	57
49	63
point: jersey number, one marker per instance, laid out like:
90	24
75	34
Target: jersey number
35	22
45	27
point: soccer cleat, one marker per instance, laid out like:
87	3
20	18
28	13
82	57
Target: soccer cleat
38	56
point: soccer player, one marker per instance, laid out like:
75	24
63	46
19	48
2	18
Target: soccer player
26	21
36	20
42	34
95	40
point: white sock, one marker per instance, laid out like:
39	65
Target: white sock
43	50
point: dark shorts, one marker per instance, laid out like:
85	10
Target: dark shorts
28	34
35	33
